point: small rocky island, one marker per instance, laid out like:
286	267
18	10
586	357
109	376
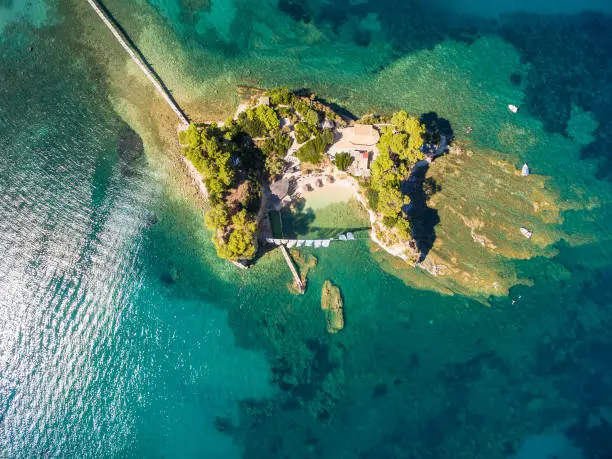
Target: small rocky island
281	144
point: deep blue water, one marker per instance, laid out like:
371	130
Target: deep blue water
121	335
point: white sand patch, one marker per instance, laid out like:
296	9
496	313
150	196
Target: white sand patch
329	194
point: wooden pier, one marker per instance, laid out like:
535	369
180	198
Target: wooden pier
137	58
298	282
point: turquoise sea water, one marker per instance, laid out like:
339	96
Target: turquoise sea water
121	334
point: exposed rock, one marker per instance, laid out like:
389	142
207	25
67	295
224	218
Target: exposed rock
331	303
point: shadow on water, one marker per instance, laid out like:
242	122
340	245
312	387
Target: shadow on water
126	37
420	188
130	150
298	221
340	110
423	219
436	126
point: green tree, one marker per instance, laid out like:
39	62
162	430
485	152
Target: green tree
384	173
217	217
280	96
274	165
343	161
399	119
311	117
390	201
302	132
403	228
268	117
193	136
406	140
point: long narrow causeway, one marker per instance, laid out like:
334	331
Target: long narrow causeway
112	26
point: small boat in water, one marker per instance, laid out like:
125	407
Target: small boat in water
525	171
513	108
309	243
325	243
317	244
350	236
342	237
525	232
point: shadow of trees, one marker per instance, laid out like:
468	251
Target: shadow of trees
298	220
423	219
436	127
339	109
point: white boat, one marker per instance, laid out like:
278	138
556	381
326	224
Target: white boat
342	237
513	108
325	243
525	171
308	243
350	236
317	244
525	232
291	243
300	243
284	241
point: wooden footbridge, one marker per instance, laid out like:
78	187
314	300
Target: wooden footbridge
316	243
138	58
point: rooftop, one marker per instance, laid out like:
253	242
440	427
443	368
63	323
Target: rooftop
362	134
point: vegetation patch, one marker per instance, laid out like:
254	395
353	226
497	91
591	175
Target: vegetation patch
399	149
343	161
312	151
235	169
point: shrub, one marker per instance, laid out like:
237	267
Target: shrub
308	153
302	132
372	197
274	165
343	161
312	151
301	107
311	117
389	222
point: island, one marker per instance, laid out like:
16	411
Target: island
281	144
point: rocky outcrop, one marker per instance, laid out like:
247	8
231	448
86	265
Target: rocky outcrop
331	303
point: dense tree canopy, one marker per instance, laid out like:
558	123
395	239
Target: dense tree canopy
399	149
268	117
233	168
280	96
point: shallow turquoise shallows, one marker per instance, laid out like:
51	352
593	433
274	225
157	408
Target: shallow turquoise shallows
122	334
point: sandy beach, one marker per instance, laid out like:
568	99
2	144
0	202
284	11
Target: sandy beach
340	191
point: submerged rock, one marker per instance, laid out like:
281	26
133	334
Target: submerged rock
331	303
171	277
